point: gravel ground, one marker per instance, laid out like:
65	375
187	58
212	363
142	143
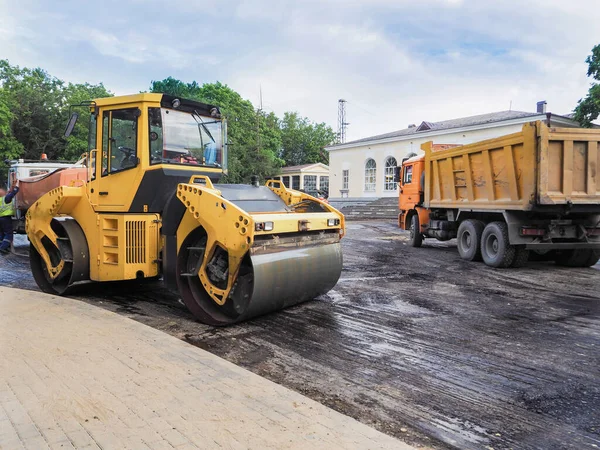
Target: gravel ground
415	342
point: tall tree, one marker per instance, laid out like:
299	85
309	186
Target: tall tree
588	108
10	148
303	142
35	101
38	106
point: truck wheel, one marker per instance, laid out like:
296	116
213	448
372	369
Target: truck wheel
416	238
521	257
469	239
496	250
542	255
577	258
593	258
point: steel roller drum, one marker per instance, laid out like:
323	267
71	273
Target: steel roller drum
271	282
287	278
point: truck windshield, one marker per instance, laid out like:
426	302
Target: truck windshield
179	137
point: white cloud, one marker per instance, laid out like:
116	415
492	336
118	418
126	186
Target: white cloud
395	61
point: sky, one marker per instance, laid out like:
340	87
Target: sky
395	62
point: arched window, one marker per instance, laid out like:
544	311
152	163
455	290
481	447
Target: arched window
370	175
390	170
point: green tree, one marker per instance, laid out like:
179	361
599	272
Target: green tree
588	108
38	106
303	142
10	148
176	88
35	101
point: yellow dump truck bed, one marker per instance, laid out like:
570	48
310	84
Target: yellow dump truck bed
537	167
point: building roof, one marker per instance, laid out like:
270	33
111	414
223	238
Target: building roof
462	122
303	167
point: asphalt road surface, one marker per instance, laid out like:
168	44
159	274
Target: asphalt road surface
417	343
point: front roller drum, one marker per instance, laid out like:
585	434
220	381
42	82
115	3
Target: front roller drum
266	282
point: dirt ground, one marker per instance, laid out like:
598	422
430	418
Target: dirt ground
416	343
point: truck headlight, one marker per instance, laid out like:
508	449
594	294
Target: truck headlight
333	222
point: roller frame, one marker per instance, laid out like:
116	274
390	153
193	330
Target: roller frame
233	229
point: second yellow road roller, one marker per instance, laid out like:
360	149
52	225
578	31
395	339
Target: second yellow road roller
151	206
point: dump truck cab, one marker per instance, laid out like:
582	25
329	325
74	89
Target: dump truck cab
151	206
411	189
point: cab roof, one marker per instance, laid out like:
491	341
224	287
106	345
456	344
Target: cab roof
165	100
415	158
122	99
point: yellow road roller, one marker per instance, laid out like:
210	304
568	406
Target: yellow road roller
152	207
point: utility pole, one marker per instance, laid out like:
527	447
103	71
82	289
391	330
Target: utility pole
342	124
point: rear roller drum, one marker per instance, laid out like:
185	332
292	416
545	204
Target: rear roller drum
72	249
265	283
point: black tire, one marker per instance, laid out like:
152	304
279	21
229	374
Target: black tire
577	258
542	255
592	259
521	257
496	250
416	238
469	239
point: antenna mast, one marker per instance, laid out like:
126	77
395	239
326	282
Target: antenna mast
342	124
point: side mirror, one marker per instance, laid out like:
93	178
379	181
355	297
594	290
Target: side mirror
397	171
71	124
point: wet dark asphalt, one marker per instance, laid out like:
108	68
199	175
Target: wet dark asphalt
415	342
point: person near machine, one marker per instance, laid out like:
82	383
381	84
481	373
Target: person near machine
7	210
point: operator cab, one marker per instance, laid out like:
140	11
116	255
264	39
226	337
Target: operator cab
154	141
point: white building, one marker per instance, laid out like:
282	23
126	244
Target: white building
364	169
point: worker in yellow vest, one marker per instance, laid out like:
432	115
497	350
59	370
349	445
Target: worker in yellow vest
7	210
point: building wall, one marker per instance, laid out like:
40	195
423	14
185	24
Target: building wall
354	159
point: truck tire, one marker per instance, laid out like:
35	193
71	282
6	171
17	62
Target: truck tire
469	239
521	257
542	255
593	258
577	258
416	238
496	250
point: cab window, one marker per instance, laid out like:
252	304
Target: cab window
92	133
155	135
408	171
119	147
105	140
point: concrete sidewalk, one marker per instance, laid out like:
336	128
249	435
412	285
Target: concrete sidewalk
76	376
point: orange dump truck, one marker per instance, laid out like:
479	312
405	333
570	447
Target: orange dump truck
536	192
